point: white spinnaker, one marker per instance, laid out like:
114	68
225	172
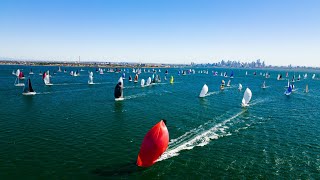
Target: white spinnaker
204	91
148	81
247	96
142	82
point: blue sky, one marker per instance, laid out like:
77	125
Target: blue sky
280	32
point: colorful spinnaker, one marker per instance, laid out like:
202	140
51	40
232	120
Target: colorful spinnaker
153	145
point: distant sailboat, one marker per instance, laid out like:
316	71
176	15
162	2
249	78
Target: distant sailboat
100	71
90	81
136	78
240	87
118	90
130	78
313	76
148	83
31	72
231	75
228	84
59	70
246	73
13	73
204	91
222	85
17	83
171	80
279	77
123	75
165	77
299	77
263	85
40	73
246	98
142	82
21	75
305	76
307	89
28	90
166	72
46	78
288	91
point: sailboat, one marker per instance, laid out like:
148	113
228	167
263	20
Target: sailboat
100	71
27	90
279	77
130	78
246	98
118	90
263	85
231	75
21	75
166	72
142	82
59	70
90	81
222	85
246	73
40	73
17	83
154	144
124	75
204	91
171	80
136	78
287	74
13	73
305	76
228	84
165	77
299	77
288	91
46	78
313	76
240	87
31	72
307	89
148	83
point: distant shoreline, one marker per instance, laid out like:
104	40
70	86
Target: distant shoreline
146	65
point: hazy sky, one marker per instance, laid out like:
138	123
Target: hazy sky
280	32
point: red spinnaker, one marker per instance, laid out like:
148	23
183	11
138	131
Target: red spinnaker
154	144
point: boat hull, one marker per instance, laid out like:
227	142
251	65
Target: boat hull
29	93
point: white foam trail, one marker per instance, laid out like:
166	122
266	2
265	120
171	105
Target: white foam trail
212	93
200	139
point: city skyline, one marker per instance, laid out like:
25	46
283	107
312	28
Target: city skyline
279	33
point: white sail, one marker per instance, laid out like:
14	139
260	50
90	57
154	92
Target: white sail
18	72
240	87
90	81
46	78
148	81
204	91
246	97
142	82
313	76
228	84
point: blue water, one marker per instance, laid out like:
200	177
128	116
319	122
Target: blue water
73	130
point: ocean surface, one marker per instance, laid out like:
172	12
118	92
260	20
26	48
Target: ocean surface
73	130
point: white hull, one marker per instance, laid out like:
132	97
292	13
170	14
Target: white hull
244	105
31	73
22	78
49	84
135	81
19	84
90	83
29	93
119	99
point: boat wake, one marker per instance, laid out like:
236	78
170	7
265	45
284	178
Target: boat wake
212	93
199	136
